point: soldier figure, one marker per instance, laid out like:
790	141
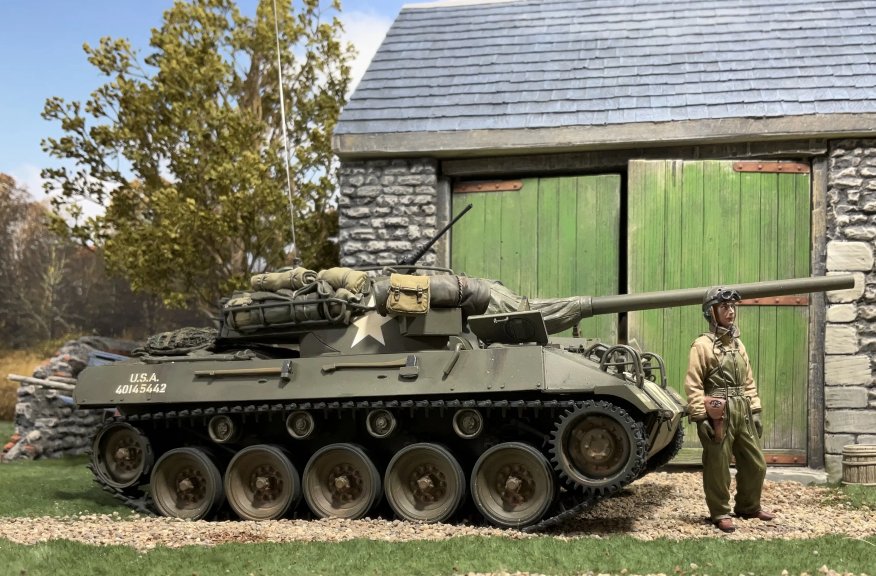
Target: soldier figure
724	404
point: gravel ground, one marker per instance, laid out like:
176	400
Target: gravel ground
661	505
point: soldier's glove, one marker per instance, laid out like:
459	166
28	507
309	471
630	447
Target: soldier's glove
705	427
758	425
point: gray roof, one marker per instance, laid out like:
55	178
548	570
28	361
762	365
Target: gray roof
457	67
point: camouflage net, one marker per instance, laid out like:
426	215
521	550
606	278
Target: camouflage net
178	342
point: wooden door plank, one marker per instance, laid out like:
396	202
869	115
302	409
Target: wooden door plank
597	248
548	237
529	242
509	255
783	418
567	234
803	211
677	341
766	344
492	237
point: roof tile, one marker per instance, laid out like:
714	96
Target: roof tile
548	63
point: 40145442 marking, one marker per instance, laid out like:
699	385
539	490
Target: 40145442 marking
142	388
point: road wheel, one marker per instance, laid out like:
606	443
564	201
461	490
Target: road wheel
186	484
424	483
512	485
341	481
261	483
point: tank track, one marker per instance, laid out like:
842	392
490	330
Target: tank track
569	504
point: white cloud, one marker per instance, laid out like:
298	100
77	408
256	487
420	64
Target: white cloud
365	30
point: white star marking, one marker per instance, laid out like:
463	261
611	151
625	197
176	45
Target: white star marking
371	324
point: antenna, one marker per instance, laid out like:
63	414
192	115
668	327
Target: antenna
294	250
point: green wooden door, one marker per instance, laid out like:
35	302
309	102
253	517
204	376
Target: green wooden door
700	223
552	237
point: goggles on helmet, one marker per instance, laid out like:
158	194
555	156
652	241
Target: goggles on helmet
726	295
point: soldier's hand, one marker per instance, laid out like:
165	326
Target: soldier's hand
758	425
705	427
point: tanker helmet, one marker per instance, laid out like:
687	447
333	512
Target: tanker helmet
715	296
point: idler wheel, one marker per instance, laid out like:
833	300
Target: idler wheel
341	481
424	483
186	484
261	483
512	485
599	446
121	455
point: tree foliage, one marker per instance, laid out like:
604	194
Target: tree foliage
54	287
185	148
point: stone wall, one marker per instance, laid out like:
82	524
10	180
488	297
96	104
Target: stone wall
387	209
850	333
47	422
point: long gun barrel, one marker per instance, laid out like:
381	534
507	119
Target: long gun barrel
689	296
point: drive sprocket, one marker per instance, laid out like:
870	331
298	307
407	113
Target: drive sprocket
598	447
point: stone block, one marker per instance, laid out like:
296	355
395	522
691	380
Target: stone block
849	295
849	256
417	180
860	232
845	397
842	313
847	370
865	439
850	421
357	212
369	191
833	443
833	465
867	312
840	339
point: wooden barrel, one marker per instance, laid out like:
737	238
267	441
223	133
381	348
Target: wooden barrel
859	464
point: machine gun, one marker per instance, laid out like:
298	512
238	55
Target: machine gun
415	257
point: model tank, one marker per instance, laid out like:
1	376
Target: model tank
325	394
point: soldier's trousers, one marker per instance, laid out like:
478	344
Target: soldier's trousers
740	441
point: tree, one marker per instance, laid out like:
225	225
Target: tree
185	149
55	288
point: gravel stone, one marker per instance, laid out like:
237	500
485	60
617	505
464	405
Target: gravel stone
660	505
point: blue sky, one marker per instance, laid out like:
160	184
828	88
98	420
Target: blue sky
41	56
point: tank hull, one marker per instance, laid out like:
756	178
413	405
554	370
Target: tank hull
520	393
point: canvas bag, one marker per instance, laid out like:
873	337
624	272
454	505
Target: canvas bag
408	294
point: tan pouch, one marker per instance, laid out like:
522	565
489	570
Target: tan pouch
715	410
408	294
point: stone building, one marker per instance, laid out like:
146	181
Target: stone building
632	145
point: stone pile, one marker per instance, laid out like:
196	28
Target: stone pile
47	422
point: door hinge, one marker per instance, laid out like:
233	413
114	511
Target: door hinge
771	167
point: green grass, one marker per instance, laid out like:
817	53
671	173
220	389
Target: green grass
462	555
854	496
52	488
64	487
6	429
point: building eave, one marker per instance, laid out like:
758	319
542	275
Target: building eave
470	143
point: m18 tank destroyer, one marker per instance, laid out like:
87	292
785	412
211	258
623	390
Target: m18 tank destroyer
324	395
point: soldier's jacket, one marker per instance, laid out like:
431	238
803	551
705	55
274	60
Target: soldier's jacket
705	378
